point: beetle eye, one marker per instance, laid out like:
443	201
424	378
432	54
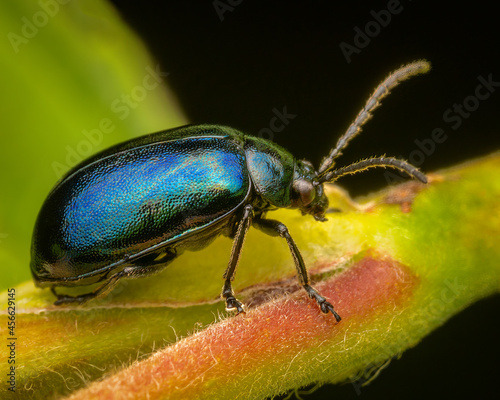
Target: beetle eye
305	190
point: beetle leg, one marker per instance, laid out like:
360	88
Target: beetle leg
232	304
276	228
66	299
83	298
133	271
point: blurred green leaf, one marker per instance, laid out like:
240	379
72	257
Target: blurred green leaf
74	80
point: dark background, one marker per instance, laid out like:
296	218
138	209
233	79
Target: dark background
234	67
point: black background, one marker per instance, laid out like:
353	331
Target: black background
267	55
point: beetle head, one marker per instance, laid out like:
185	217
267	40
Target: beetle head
307	194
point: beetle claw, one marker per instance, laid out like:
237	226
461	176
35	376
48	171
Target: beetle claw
233	305
327	307
70	300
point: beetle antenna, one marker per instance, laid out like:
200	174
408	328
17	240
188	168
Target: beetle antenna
382	90
363	165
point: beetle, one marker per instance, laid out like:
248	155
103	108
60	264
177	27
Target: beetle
130	210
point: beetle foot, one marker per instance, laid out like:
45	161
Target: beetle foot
325	306
234	305
66	299
70	300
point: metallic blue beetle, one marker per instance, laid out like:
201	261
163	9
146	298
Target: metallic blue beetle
130	210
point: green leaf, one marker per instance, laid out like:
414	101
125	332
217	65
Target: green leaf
74	81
